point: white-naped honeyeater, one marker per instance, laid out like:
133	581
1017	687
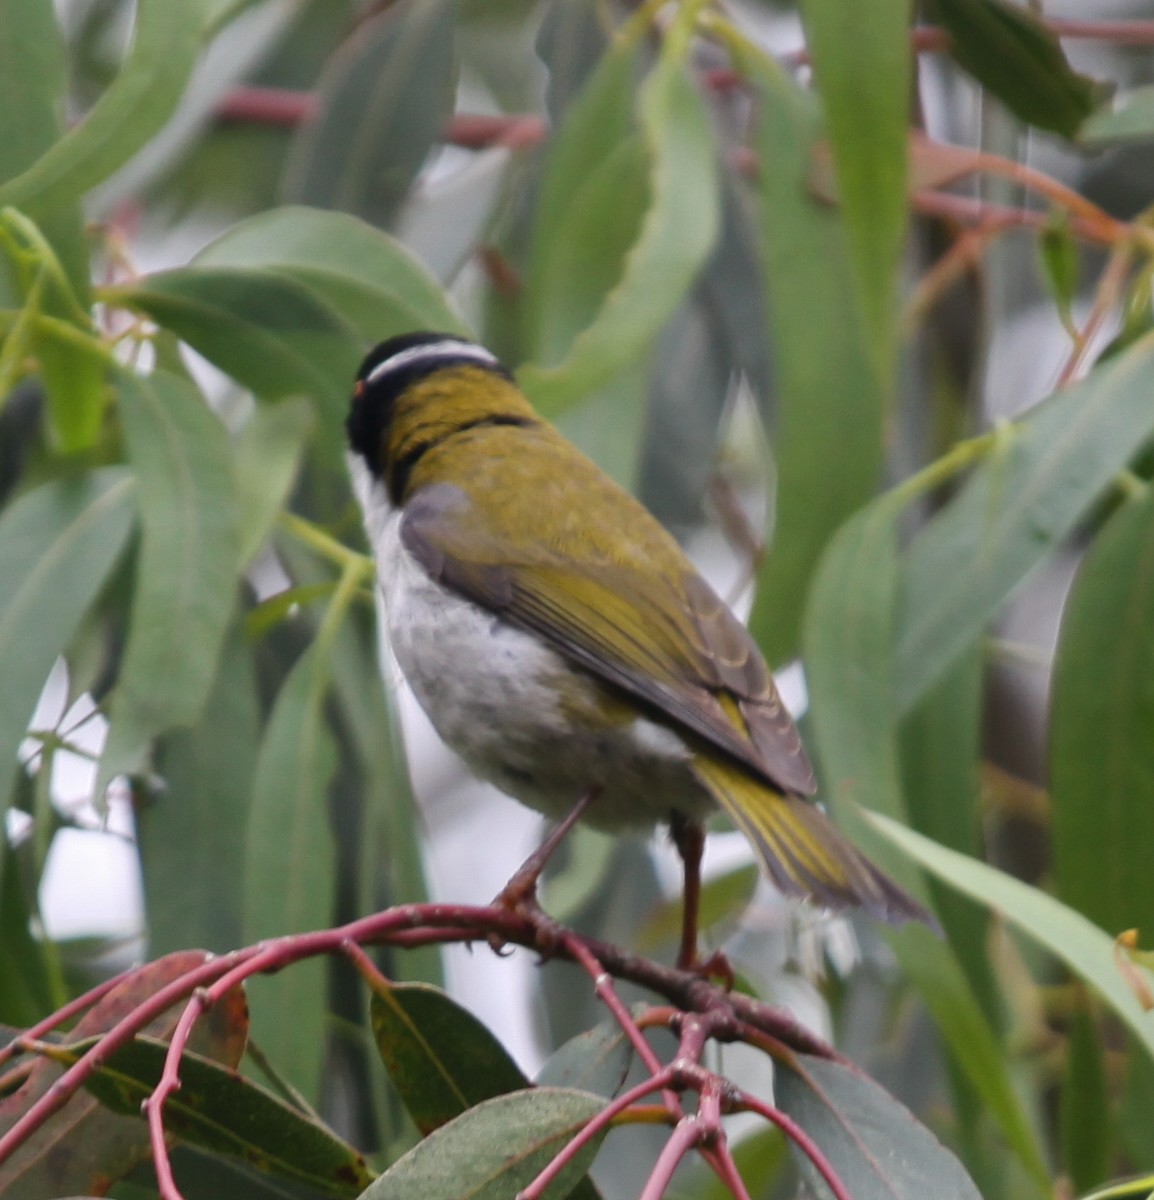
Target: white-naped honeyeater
560	640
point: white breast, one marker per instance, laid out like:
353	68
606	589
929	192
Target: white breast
497	696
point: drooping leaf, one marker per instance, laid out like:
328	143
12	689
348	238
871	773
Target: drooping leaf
221	1111
1101	752
193	828
382	104
874	1145
495	1149
1132	121
33	84
441	1059
186	494
84	1148
850	663
371	280
1010	51
594	1061
58	544
288	869
826	421
862	64
673	240
1087	950
144	94
267	330
268	453
1019	504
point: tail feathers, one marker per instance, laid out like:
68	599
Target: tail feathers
803	853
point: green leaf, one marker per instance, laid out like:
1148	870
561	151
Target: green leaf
1009	50
185	588
219	1110
1082	946
1086	1119
268	454
495	1149
383	102
862	65
673	241
288	874
1102	709
596	1060
1132	121
367	277
193	829
874	1145
267	330
33	85
58	544
165	44
826	426
1019	504
441	1059
1061	264
849	657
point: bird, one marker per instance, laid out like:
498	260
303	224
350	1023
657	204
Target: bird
563	644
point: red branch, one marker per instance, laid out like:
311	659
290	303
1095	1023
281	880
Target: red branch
701	1011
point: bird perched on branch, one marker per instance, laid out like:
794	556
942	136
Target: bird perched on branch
561	642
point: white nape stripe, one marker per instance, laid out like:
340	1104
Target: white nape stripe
417	354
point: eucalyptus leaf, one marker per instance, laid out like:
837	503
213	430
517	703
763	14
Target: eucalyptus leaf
382	104
862	67
495	1149
186	493
1087	950
1030	492
1101	752
219	1110
288	871
58	545
1010	51
145	93
874	1145
441	1059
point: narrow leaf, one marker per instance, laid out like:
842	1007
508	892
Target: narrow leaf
270	332
673	242
826	424
268	453
58	544
874	1145
849	655
1133	120
861	63
1009	50
1083	947
1101	751
594	1061
1025	498
383	102
181	459
369	278
165	44
33	86
288	877
441	1059
495	1149
193	828
221	1111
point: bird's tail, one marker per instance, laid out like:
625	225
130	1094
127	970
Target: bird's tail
803	853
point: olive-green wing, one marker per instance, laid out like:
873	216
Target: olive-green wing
648	625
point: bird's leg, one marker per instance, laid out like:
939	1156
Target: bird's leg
520	893
689	838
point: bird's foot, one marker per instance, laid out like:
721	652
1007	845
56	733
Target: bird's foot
519	897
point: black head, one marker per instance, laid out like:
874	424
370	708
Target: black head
392	366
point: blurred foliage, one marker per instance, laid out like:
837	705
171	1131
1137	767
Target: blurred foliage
715	261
